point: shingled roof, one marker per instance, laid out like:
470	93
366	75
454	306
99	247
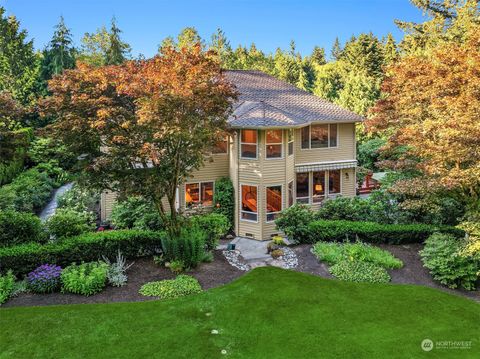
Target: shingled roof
265	101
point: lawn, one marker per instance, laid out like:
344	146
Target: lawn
268	313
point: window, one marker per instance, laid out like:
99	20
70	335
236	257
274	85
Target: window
198	194
303	194
290	194
318	183
290	142
249	203
320	136
248	143
334	182
221	146
274	202
273	141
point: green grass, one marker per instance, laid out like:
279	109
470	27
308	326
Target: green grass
268	313
334	252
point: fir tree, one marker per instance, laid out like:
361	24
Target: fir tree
336	52
221	46
318	55
117	51
390	50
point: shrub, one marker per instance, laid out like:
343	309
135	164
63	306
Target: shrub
177	266
332	253
68	223
136	213
79	199
85	279
86	247
171	288
215	226
44	279
443	256
294	222
224	199
17	227
189	247
278	240
373	232
277	253
356	271
117	270
45	149
350	209
7	286
20	141
29	192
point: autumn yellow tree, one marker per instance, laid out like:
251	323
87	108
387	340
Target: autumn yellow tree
432	110
143	126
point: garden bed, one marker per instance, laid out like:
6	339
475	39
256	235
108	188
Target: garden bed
144	270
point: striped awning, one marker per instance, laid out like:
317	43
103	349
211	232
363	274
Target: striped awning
322	166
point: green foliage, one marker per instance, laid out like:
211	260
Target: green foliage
443	256
188	247
332	253
68	223
79	199
17	228
345	208
172	288
214	225
47	149
368	153
16	143
223	198
294	222
177	266
85	279
372	232
29	192
356	271
118	51
7	286
277	253
137	213
86	247
278	241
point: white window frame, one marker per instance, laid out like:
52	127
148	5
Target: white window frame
310	137
240	204
309	197
247	143
275	144
292	131
266	203
199	194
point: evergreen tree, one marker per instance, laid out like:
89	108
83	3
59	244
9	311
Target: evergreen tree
221	46
117	51
94	47
189	37
318	55
390	50
365	54
19	64
336	52
305	77
60	53
286	66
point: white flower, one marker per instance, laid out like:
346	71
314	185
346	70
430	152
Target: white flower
214	331
224	351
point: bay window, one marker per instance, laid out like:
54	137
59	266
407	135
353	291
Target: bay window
273	142
320	136
249	209
248	144
198	193
274	202
303	192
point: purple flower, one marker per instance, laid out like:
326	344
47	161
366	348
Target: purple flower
44	279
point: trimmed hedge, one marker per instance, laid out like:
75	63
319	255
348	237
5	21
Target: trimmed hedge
373	232
18	227
88	247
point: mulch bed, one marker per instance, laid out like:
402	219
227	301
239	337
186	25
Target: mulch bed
219	272
144	270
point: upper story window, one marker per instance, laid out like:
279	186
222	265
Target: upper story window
248	144
198	193
290	142
320	136
273	142
249	210
274	202
221	146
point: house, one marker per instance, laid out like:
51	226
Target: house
288	147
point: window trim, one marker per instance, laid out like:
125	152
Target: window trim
309	189
334	195
276	144
247	143
199	193
325	176
328	136
266	203
240	204
327	194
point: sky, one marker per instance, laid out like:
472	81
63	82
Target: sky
268	23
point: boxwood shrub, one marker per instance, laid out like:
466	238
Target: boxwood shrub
372	232
17	228
87	247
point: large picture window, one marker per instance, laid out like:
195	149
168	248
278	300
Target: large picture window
334	182
318	183
249	210
303	194
199	193
248	144
273	141
320	136
274	202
